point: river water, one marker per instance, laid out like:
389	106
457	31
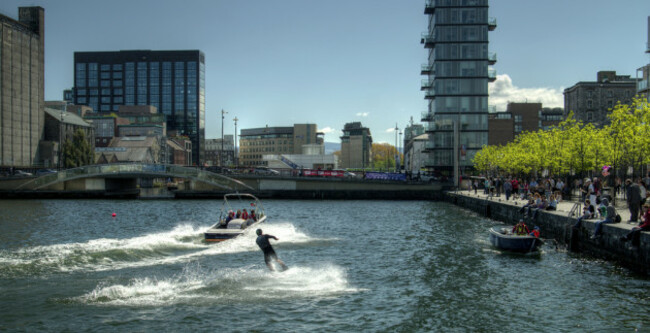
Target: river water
370	266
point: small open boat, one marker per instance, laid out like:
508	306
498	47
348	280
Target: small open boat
228	228
504	239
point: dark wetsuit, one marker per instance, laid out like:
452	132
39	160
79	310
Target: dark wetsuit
264	244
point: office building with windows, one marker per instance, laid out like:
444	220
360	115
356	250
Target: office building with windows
503	127
22	107
254	143
356	146
643	74
456	86
171	81
592	101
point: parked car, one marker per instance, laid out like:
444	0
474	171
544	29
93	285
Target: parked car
346	173
41	172
219	169
266	171
21	173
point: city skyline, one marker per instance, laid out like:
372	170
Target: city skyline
335	62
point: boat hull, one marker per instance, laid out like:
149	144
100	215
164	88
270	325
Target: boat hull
510	242
216	234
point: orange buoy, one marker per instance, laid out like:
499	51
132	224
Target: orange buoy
114	215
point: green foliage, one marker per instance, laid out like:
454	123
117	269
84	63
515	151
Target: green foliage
77	152
383	156
575	147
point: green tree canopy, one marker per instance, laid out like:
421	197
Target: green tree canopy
574	147
78	151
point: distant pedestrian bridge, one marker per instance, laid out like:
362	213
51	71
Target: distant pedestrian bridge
125	175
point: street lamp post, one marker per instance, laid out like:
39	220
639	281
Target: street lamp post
399	160
61	140
223	115
234	153
396	152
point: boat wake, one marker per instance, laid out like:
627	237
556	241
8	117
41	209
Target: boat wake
225	286
183	243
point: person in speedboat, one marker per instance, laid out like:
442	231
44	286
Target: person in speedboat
231	215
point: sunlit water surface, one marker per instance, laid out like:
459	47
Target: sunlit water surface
354	266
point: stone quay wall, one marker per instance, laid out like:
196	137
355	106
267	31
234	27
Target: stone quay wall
559	227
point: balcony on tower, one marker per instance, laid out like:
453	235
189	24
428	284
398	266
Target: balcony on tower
428	39
429	6
426	116
427	70
492	23
492	74
492	58
426	85
430	94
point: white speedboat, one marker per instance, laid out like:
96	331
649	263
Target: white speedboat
232	226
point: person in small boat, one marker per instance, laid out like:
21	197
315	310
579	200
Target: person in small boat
238	215
269	254
244	215
535	232
520	229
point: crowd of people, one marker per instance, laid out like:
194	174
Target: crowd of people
518	188
546	193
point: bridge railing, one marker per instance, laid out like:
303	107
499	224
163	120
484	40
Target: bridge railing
153	170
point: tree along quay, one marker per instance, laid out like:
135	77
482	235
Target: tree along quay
557	225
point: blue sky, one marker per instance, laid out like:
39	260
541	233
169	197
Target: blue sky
330	62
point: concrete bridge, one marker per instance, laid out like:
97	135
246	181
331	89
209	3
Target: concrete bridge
117	178
121	180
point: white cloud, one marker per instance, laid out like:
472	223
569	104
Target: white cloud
327	130
503	91
390	130
363	114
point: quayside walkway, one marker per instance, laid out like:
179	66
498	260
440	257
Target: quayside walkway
558	225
